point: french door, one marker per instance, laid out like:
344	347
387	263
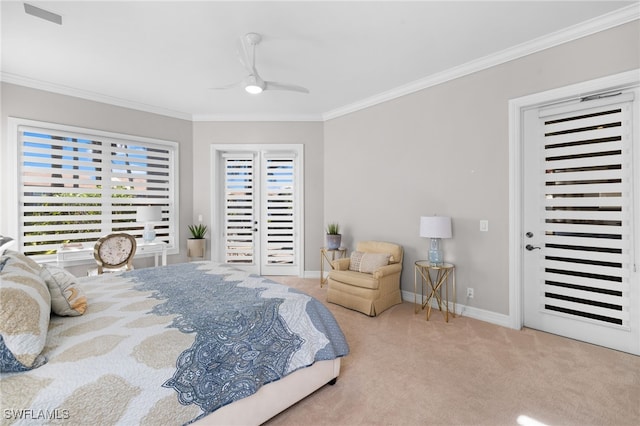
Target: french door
579	266
257	209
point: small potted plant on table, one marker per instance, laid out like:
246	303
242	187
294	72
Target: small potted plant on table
334	238
196	245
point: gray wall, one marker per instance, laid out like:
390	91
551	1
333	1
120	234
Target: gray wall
444	150
309	134
23	102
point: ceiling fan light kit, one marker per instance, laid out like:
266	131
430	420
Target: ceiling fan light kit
253	83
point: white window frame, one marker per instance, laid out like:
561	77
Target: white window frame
11	223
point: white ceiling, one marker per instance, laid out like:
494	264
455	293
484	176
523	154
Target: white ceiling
164	56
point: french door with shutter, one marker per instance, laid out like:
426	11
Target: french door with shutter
257	207
579	266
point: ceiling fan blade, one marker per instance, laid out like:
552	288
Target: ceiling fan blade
228	86
43	14
272	85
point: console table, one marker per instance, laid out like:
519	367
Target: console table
70	254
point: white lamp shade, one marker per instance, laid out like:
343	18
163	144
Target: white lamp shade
435	226
146	214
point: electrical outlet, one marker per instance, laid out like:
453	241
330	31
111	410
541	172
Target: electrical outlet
470	293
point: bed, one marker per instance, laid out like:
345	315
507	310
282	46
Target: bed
194	343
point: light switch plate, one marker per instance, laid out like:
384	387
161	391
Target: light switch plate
484	225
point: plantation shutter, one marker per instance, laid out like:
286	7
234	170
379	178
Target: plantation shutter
588	242
279	217
76	187
239	208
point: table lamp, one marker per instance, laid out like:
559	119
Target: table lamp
148	215
435	227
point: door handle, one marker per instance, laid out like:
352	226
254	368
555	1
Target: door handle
530	247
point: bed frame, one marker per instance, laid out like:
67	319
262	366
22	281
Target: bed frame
275	397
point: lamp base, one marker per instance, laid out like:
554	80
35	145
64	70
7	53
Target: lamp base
148	235
435	252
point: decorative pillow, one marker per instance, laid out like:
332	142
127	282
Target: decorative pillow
25	308
67	298
22	261
5	242
367	262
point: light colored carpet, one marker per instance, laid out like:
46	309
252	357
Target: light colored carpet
403	370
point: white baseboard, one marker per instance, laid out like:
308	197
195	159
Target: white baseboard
312	274
461	310
467	311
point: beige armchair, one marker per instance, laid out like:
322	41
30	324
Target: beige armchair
369	280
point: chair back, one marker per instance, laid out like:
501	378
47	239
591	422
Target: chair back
394	250
114	251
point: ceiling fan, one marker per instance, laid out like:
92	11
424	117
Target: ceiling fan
253	83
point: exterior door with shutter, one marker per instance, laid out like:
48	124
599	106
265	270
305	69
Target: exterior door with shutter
239	210
259	209
278	214
579	268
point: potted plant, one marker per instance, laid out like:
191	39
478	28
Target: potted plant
334	237
196	245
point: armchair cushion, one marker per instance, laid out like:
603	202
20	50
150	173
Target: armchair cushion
368	262
341	264
355	279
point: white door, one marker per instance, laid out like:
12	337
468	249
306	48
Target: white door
258	209
578	247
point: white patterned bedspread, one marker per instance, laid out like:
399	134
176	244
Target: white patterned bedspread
168	345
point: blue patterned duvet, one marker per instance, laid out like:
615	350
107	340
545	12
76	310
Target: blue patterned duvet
170	345
249	331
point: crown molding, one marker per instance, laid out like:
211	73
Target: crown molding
91	96
592	26
257	117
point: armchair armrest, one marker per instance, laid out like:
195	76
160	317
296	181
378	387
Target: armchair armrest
341	264
391	269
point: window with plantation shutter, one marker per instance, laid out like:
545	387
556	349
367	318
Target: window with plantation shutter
76	185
